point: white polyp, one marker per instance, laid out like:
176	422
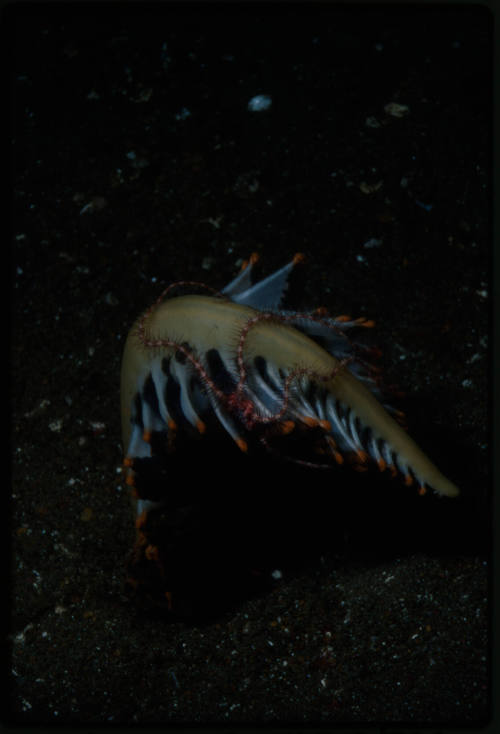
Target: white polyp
387	453
160	383
225	419
150	419
338	429
138	448
183	377
373	449
147	505
354	432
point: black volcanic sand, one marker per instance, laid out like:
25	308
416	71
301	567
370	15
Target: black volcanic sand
302	596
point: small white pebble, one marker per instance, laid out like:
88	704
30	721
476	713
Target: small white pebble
372	121
396	110
183	114
373	242
259	103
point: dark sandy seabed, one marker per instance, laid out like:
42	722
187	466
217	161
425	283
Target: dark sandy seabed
305	597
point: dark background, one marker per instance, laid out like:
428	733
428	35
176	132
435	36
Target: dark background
136	163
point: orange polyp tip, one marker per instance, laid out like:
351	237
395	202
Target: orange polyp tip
422	490
408	480
146	436
325	425
151	553
393	470
128	462
321	311
254	257
369	323
172	425
286	427
140	540
242	445
362	456
382	464
140	520
200	426
132	582
299	257
333	450
342	318
338	457
310	421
